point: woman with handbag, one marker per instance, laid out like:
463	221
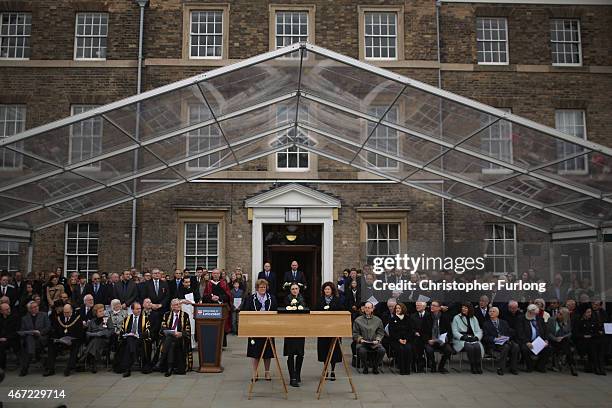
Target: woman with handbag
467	335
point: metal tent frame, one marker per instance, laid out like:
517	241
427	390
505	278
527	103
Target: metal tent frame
320	101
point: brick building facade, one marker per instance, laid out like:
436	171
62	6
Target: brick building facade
55	76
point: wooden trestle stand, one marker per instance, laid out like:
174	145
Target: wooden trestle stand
315	324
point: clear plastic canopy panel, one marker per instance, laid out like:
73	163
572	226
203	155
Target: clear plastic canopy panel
303	95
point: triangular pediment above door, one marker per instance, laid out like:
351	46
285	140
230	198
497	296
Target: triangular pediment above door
292	195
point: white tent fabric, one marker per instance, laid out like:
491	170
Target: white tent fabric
321	101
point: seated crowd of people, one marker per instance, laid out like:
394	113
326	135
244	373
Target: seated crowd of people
131	319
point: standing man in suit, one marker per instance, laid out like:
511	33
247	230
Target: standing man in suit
78	291
125	290
98	290
19	285
157	290
175	284
8	290
294	275
482	311
35	327
146	277
494	330
269	276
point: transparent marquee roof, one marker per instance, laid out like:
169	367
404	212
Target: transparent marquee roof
323	102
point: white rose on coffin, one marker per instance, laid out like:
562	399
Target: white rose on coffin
300	307
326	307
288	308
293	301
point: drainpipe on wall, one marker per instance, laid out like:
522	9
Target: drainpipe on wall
142	4
443	203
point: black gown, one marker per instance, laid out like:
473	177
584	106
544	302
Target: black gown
294	346
324	343
255	344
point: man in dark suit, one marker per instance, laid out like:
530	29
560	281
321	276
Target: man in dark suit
187	288
481	312
85	311
98	290
530	327
512	314
494	336
18	284
419	321
66	332
294	275
9	324
269	276
146	277
175	284
78	291
126	290
157	290
436	324
558	290
8	290
34	331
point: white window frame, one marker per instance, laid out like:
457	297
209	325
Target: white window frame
206	254
391	116
562	145
205	35
77	36
86	238
202	135
506	41
299	35
87	122
579	42
377	239
17	157
498	127
491	238
380	36
27	37
10	254
297	151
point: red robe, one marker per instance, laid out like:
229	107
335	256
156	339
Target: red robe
227	299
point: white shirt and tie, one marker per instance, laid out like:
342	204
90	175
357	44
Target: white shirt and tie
156	284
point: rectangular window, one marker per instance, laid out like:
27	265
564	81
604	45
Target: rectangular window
201	245
382	240
81	253
492	41
384	139
380	38
206	34
291	27
9	256
203	140
500	252
15	31
12	121
85	137
571	122
565	42
90	36
575	259
496	141
294	158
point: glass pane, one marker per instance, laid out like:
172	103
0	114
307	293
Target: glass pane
52	188
591	171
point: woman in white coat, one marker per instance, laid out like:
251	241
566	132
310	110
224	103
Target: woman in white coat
467	335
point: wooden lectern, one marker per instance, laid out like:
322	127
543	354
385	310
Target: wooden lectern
315	324
210	329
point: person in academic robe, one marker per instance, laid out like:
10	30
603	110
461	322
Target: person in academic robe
66	332
134	340
467	335
418	322
125	290
9	340
100	292
34	332
495	331
260	301
329	302
530	327
175	350
97	336
269	276
293	347
437	324
401	337
217	291
294	275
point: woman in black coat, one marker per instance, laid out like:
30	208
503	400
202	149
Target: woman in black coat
329	302
589	340
262	301
352	298
293	347
401	333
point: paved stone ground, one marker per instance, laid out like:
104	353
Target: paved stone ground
229	389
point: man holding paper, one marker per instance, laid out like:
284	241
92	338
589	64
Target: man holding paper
368	332
531	334
176	344
497	335
436	337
